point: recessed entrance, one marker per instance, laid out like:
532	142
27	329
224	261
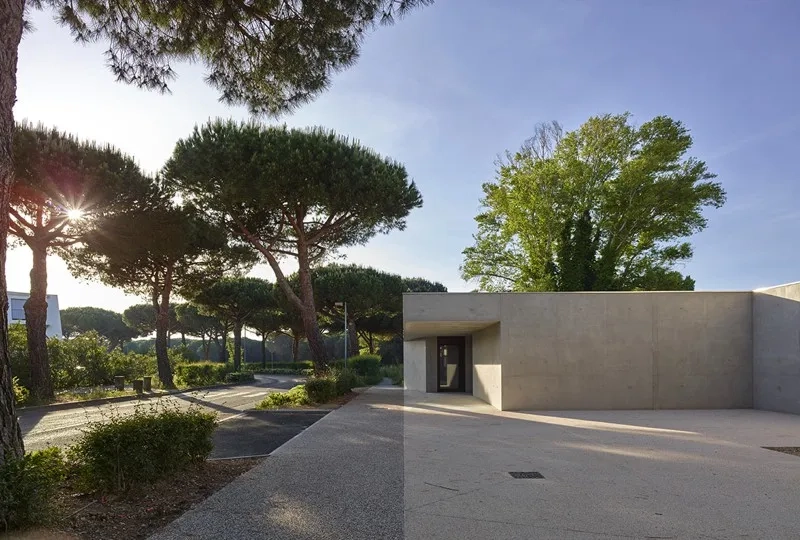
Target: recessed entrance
451	365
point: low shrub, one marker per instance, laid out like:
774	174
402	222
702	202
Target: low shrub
131	365
321	390
295	397
307	372
240	376
346	380
152	443
201	373
21	393
28	487
365	365
395	373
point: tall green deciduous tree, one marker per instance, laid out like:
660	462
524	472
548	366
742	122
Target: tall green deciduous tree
236	299
107	323
292	193
157	251
606	207
270	56
62	186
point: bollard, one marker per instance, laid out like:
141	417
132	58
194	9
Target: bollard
137	386
147	384
119	382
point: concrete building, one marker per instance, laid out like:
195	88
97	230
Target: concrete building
16	312
608	350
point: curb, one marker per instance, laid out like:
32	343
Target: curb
121	399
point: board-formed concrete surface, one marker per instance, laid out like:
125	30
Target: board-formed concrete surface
674	474
776	348
590	350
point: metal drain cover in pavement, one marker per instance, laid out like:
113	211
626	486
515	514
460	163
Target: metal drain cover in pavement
526	474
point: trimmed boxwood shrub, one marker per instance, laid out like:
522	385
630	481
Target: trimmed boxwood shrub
28	487
365	365
321	390
201	373
240	376
120	452
346	380
21	393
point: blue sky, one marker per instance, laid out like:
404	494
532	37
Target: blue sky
451	86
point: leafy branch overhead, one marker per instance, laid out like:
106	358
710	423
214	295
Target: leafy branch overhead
606	207
272	56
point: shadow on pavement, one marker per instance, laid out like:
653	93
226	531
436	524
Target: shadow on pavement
257	433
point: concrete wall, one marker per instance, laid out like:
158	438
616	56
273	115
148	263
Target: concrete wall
776	348
414	375
626	350
597	350
486	369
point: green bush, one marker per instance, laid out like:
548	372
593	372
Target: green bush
307	372
395	373
346	380
201	373
293	398
365	365
21	393
18	353
79	361
145	446
131	365
240	376
28	486
321	390
181	353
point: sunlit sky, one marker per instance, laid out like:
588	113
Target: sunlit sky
450	87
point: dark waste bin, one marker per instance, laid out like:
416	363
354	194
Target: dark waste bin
137	386
147	384
119	382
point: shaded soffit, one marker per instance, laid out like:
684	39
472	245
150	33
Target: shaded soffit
423	329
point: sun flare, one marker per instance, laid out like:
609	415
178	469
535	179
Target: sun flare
74	214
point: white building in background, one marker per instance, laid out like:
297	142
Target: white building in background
16	312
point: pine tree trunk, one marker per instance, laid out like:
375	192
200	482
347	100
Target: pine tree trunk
295	347
162	332
36	327
309	311
183	339
237	347
11	446
206	346
264	351
225	346
352	340
371	343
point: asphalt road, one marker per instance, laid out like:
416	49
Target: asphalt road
43	427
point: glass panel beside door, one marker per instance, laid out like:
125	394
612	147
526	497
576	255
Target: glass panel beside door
451	364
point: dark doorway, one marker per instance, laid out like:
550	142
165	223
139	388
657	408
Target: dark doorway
451	366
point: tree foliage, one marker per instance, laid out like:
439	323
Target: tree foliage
606	207
62	186
155	251
107	323
236	299
292	193
271	56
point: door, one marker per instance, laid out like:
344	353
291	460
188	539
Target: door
451	374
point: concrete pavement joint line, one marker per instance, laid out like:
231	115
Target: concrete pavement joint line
565	529
443	487
460	494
